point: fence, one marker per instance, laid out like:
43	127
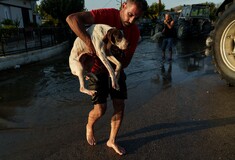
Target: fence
16	41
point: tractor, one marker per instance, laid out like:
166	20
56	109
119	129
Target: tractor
194	21
221	42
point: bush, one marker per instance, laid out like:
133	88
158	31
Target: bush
7	22
8	28
48	24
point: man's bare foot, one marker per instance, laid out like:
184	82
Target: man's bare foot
90	136
118	149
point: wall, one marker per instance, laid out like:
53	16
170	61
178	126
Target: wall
15	61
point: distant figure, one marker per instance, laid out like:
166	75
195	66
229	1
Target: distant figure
168	35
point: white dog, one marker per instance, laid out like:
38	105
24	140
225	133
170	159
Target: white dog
103	37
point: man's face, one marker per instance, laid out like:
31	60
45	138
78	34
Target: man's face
129	14
167	17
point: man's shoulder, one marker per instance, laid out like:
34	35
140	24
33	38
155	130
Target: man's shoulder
107	10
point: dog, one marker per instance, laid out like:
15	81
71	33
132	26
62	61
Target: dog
103	37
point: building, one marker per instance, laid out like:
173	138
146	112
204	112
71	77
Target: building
19	10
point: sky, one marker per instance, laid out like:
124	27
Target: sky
95	4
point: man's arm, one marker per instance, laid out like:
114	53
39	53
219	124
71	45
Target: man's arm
77	22
169	25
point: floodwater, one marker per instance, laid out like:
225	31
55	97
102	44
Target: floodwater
38	94
28	95
40	100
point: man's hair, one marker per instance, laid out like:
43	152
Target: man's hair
140	3
170	16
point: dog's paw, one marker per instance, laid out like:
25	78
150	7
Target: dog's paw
92	92
117	75
116	87
89	92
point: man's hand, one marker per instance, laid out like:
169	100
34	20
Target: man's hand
91	48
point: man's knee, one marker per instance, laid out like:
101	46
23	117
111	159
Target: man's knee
118	105
99	110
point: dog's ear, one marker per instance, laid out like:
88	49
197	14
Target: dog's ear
105	39
113	35
110	36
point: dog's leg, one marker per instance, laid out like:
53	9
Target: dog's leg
117	63
82	85
106	63
77	69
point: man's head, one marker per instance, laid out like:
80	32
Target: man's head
132	10
167	16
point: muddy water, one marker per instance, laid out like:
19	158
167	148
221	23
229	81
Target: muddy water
45	93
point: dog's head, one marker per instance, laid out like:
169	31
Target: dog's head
116	37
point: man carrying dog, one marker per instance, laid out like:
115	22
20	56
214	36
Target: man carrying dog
123	19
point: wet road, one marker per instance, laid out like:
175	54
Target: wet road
178	110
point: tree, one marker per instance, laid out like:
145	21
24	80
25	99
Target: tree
60	9
213	10
153	10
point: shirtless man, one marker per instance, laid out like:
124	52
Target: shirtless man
123	19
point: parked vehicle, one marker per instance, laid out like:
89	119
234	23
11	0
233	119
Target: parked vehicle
146	27
194	21
221	42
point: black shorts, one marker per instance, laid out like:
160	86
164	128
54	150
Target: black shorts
104	88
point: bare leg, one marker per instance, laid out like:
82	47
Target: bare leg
94	115
116	121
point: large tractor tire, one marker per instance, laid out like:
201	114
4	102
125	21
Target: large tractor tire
223	44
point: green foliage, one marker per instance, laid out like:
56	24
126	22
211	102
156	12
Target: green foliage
7	22
8	27
49	23
213	10
16	22
60	9
154	10
7	31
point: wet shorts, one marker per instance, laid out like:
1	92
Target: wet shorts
104	88
167	43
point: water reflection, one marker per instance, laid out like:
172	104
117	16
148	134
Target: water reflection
190	53
166	69
188	46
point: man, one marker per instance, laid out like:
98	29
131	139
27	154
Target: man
124	19
168	34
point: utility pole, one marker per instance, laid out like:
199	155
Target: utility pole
159	6
120	3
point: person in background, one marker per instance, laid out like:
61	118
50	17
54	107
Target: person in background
123	19
168	35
